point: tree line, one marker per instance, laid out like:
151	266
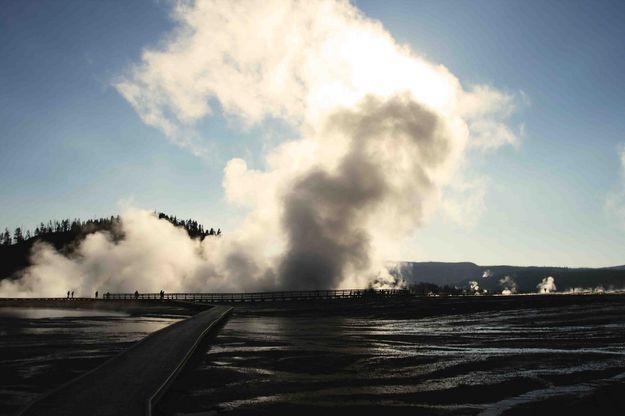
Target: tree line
78	226
194	229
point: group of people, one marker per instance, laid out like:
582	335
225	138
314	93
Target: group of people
107	295
161	294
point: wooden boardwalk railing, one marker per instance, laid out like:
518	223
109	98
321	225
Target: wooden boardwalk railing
260	296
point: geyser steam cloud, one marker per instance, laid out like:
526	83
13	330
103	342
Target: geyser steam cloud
382	132
547	285
508	284
327	213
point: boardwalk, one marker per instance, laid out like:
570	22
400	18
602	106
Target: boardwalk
245	297
128	383
188	299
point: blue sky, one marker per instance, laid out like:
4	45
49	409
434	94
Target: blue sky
72	146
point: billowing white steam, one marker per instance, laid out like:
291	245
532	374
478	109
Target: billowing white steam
474	287
592	290
547	285
154	255
487	273
508	284
381	133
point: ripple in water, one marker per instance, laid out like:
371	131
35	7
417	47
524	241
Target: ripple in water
481	363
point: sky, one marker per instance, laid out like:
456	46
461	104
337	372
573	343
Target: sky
72	145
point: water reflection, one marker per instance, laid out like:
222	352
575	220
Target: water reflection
455	364
39	313
43	348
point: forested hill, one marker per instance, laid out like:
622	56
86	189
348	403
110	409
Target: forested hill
64	235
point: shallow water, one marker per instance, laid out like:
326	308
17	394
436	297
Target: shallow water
478	363
41	349
36	313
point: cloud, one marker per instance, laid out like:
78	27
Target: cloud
490	135
293	61
484	100
382	133
486	110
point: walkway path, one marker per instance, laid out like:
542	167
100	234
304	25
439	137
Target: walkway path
128	383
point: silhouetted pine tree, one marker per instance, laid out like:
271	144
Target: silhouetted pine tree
6	237
18	237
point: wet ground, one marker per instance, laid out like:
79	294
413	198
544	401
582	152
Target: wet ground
40	349
491	356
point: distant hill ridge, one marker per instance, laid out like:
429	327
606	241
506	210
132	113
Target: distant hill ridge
525	277
615	267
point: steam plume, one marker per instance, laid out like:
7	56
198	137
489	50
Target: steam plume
508	284
547	285
381	133
328	213
589	290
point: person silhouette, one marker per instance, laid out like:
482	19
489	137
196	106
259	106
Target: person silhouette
96	294
68	294
136	294
72	294
162	294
